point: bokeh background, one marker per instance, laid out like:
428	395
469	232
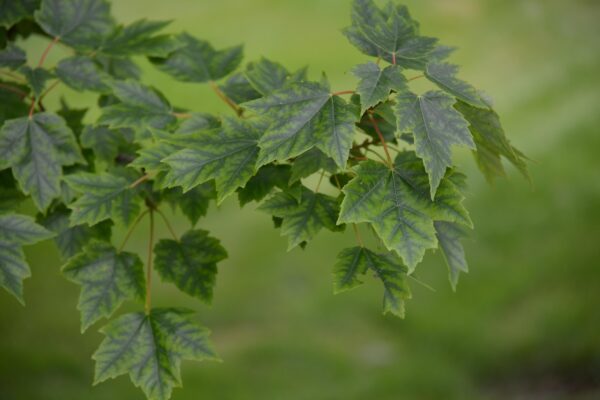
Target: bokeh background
524	323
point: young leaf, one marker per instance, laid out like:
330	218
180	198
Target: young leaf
36	148
302	116
227	155
449	235
70	240
356	261
15	232
150	349
304	219
82	24
103	196
82	73
399	215
107	279
138	38
12	57
190	263
436	126
197	61
141	107
444	75
375	84
491	142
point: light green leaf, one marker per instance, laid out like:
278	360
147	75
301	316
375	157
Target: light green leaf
302	116
436	127
138	38
398	214
376	84
444	75
103	196
82	24
197	61
107	279
491	142
267	76
141	107
354	262
37	148
449	235
15	232
310	162
82	73
150	349
70	240
198	122
190	263
12	57
303	219
227	155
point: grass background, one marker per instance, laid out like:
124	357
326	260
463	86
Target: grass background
524	323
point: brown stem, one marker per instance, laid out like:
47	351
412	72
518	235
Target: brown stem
385	148
148	306
182	115
50	88
357	234
394	58
416	77
226	99
14	89
319	183
343	92
40	64
140	181
13	76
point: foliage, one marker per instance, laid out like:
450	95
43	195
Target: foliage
84	176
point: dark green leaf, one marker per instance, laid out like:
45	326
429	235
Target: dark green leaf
82	73
107	278
105	143
197	61
376	84
444	75
238	89
138	38
150	349
304	219
190	263
36	78
37	148
310	162
266	179
12	57
193	203
449	235
302	116
436	126
82	24
12	11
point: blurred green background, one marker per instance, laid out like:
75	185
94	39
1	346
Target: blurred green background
524	324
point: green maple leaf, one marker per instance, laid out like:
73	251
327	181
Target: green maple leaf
238	89
119	67
197	61
82	73
82	24
354	262
303	219
106	143
267	76
193	203
107	278
227	155
70	240
304	115
37	148
436	127
376	84
399	215
444	75
103	196
310	162
12	57
190	263
140	107
150	349
139	38
12	11
389	33
36	78
449	235
13	106
491	142
17	231
266	179
198	122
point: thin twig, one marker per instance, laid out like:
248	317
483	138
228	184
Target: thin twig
168	224
226	99
319	183
416	77
13	76
358	237
381	138
50	88
141	180
14	89
40	64
343	92
148	306
182	115
131	229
